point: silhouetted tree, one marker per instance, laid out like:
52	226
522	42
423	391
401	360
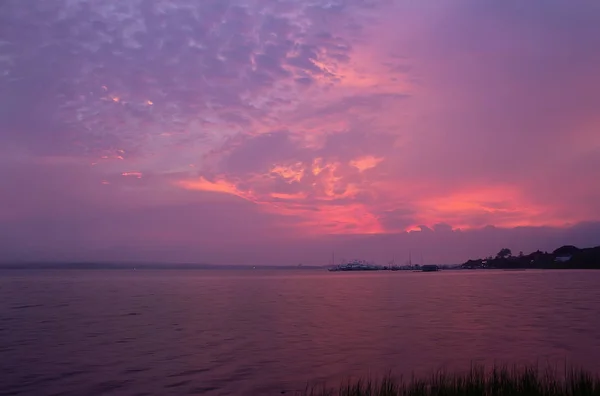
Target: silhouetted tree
504	253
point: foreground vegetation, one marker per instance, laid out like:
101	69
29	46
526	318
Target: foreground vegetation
496	382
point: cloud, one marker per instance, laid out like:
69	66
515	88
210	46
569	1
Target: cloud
217	186
299	120
365	163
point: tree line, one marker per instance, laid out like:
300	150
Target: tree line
565	257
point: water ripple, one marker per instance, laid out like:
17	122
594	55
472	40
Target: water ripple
260	333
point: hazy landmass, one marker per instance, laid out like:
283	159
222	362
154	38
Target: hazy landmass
565	257
142	266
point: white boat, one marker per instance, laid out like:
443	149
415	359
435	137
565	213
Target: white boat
356	265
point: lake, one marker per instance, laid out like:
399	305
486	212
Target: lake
261	332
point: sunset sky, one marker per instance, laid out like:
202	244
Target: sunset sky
278	131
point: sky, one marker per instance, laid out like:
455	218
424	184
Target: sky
280	131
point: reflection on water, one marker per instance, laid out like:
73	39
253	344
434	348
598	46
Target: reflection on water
259	332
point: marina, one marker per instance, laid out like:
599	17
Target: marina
363	265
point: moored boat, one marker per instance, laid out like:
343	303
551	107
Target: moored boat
356	265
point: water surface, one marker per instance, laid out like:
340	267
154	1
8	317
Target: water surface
263	332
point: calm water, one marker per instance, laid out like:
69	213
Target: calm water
256	332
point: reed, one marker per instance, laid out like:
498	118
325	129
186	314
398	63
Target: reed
499	381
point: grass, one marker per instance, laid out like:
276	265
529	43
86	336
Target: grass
500	381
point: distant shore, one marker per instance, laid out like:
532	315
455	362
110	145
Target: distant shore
565	257
499	381
145	266
249	268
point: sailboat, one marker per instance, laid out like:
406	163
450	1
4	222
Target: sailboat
333	267
393	266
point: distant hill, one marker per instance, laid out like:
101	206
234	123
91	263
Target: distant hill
567	250
564	257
